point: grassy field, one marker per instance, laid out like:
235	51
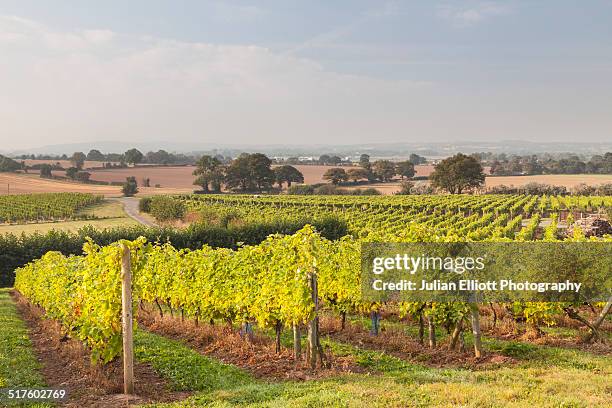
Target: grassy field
542	376
109	213
18	364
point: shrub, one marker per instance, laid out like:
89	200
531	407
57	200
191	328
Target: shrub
166	208
144	205
301	189
363	191
604	189
406	188
329	189
532	188
130	187
8	164
18	250
83	176
45	171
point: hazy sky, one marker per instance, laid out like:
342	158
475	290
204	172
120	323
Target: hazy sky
299	72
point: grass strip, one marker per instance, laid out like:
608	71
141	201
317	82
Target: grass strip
19	367
185	368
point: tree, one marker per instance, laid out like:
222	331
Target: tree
133	156
130	187
384	170
458	173
288	174
83	176
238	175
357	174
7	164
159	157
335	160
324	159
45	171
405	188
95	155
335	175
261	170
364	161
416	159
210	172
250	172
71	172
405	169
78	159
115	157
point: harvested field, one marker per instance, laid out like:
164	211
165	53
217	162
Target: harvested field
64	163
166	176
567	180
179	179
181	176
32	183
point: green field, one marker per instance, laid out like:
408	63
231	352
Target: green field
533	353
106	214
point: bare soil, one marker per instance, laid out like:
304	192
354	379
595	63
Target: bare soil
66	364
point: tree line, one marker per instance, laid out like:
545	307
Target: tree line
380	170
131	156
503	165
247	172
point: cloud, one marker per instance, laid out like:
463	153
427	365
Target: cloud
336	34
233	13
467	16
65	86
99	36
99	84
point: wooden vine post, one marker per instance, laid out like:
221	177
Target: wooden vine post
475	318
297	342
127	320
313	325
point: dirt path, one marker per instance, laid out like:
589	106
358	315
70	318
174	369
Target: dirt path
130	206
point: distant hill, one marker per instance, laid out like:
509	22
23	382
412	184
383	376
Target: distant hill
391	150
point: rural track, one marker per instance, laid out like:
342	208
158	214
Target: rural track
130	206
